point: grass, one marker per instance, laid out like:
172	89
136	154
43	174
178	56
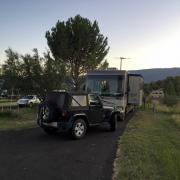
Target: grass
7	102
150	147
18	119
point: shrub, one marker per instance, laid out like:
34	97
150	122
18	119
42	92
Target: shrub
170	101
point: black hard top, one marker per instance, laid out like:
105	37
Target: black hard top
67	92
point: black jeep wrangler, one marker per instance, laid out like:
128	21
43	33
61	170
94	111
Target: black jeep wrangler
74	112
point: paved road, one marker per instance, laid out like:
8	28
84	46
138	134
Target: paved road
33	155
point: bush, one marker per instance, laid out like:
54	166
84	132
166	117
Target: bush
170	101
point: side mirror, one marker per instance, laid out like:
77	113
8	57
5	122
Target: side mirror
95	103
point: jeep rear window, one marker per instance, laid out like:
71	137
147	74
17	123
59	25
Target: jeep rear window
56	98
79	100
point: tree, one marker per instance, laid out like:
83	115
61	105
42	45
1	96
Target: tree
177	85
79	44
54	73
169	86
32	72
11	70
104	65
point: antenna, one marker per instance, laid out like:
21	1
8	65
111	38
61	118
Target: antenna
121	58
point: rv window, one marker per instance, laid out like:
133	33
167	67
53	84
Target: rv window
105	85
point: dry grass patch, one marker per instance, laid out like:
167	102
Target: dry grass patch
18	119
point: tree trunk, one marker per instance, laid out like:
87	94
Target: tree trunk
76	76
76	83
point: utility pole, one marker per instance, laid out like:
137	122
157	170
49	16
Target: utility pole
121	58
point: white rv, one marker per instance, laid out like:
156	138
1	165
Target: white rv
117	88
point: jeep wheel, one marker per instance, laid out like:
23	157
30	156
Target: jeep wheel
79	129
113	123
49	130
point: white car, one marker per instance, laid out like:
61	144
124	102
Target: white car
28	100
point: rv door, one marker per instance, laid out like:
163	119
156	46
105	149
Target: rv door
135	89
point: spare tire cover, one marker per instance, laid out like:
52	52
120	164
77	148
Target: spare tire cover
47	112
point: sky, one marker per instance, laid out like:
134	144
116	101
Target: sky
146	31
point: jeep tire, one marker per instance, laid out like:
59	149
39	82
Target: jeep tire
79	128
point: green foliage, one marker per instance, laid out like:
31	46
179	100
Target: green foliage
18	119
104	65
32	74
170	101
32	70
54	73
149	148
177	85
171	86
11	70
174	109
8	114
78	44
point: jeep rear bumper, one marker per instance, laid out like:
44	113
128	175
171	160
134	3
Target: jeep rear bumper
62	126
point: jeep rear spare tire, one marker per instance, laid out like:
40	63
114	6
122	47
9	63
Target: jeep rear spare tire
79	129
47	112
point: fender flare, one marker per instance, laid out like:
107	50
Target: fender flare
79	115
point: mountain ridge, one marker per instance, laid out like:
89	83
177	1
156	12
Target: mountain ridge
156	74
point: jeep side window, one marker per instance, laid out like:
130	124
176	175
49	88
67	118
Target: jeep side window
93	99
78	100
